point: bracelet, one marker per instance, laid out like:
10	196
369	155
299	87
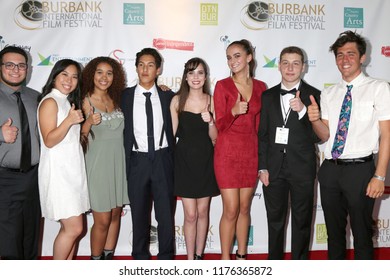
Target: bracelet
263	171
380	178
211	123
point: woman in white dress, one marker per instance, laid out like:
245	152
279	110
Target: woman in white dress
61	174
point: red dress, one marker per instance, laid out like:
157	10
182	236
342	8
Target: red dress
236	149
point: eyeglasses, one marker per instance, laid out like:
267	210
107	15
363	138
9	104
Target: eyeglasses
11	66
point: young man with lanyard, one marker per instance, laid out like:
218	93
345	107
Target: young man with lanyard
287	156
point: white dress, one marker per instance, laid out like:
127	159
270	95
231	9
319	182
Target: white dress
61	175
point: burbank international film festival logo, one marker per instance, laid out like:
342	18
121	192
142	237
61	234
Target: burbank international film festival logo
32	15
353	18
262	15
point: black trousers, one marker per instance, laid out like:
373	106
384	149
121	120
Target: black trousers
152	182
20	214
276	197
343	193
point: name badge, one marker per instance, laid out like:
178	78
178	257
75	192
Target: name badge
281	136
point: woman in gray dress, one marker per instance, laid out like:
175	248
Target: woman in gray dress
102	139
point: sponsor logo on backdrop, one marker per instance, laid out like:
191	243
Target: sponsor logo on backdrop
311	63
250	237
134	13
225	40
270	63
120	56
321	234
387	190
381	236
162	44
257	195
31	15
262	15
4	44
208	14
353	17
153	243
386	51
180	240
53	58
45	61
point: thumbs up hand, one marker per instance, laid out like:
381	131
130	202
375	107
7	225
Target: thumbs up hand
313	111
75	116
240	107
9	132
206	115
94	118
296	103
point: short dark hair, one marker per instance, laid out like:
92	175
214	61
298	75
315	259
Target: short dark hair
152	52
13	49
349	37
293	49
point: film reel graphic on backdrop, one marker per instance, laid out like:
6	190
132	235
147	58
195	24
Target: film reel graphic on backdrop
28	15
255	14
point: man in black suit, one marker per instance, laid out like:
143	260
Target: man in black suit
287	156
149	141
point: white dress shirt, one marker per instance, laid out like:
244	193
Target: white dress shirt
140	122
285	102
370	104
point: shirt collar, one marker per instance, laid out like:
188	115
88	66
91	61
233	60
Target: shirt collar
295	86
140	90
6	89
355	82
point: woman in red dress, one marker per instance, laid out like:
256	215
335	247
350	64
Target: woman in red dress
237	102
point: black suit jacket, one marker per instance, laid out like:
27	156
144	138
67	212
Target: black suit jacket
300	150
127	105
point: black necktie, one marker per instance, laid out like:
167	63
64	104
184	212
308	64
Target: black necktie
149	118
292	91
25	159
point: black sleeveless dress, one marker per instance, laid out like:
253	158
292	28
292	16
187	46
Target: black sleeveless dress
194	158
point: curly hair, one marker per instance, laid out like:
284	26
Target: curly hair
118	83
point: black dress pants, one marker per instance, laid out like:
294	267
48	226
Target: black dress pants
20	214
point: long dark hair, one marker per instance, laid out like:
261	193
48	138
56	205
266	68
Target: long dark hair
75	96
184	89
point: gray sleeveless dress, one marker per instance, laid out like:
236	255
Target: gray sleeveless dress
105	163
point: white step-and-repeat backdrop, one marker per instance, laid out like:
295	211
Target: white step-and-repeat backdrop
181	29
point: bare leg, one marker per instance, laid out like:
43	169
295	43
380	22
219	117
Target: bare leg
99	231
244	219
113	231
202	227
64	244
227	225
190	219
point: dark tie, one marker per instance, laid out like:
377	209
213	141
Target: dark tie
149	118
25	159
292	91
342	128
